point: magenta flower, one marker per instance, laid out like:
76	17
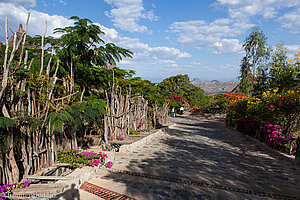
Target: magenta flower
26	183
109	164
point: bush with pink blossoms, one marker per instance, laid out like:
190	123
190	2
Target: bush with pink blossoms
276	138
78	158
120	137
7	189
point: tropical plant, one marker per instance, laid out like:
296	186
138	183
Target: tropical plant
83	50
40	93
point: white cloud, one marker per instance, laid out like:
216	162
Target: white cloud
142	51
144	54
63	2
248	8
291	21
228	46
126	14
125	62
291	50
216	36
18	14
26	3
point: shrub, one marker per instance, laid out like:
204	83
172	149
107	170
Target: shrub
271	108
78	158
275	138
223	100
138	131
250	125
7	189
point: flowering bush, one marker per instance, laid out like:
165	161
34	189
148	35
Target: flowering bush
176	101
7	189
248	106
109	164
78	157
178	98
272	107
249	125
120	137
194	109
275	138
223	100
280	107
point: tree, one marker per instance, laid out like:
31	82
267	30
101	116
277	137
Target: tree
254	62
181	85
174	84
36	94
283	75
82	48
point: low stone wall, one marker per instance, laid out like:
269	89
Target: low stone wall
126	148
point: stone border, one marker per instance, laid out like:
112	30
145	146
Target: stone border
127	148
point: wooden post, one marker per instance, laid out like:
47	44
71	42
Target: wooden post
297	156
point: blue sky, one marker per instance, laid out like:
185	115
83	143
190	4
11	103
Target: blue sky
201	38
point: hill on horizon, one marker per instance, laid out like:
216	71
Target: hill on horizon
215	86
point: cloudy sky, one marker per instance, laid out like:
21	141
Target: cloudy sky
201	38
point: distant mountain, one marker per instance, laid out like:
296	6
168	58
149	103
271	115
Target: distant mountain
215	86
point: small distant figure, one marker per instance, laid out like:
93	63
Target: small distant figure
173	112
181	110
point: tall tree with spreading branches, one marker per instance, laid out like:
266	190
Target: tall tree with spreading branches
82	48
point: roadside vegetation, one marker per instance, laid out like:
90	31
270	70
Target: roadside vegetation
266	104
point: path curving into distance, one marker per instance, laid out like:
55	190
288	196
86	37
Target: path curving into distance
201	150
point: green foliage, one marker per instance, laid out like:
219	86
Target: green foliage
175	85
257	53
283	75
78	158
5	137
89	111
262	68
7	122
138	131
58	119
146	88
181	85
100	78
81	46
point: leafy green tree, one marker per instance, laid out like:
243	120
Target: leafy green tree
254	62
174	85
181	85
83	50
282	75
146	88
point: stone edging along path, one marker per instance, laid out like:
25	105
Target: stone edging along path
126	148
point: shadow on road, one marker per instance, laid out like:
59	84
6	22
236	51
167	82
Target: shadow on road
205	151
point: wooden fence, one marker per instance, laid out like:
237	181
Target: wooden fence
126	112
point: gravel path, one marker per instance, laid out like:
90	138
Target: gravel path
203	150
